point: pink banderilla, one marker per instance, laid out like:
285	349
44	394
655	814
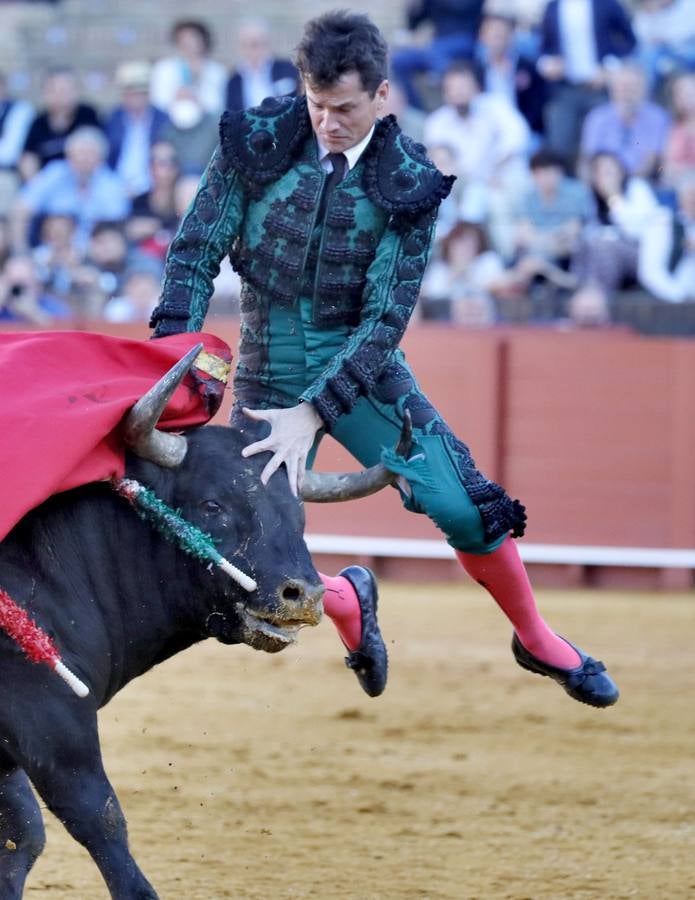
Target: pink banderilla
34	641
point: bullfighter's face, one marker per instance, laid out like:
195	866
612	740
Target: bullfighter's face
343	114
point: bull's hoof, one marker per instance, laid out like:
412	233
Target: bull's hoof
370	661
588	682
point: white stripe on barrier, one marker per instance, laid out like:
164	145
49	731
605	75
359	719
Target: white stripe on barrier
554	554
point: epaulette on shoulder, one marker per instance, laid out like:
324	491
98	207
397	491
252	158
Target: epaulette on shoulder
260	143
400	178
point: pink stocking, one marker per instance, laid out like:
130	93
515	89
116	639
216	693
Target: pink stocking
342	607
502	573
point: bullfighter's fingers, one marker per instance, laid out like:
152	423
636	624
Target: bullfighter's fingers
273	465
260	415
292	466
258	447
301	471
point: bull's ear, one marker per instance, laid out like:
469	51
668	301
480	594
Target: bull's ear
139	431
333	487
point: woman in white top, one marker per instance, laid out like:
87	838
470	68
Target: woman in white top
607	255
667	250
459	286
190	75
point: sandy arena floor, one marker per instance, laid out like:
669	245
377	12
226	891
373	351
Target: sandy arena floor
249	776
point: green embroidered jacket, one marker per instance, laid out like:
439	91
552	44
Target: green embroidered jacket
361	266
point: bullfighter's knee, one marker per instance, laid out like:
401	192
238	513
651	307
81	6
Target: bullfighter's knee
457	518
440	479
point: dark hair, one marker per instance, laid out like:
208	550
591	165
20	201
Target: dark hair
193	25
603	211
545	158
461	229
609	154
340	42
104	225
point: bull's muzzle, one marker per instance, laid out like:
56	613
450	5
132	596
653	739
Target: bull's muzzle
274	627
299	603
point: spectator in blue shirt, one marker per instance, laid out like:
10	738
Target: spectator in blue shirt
629	126
81	185
552	211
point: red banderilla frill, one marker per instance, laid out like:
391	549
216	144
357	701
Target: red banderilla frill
34	641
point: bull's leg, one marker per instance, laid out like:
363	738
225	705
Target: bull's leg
76	790
22	835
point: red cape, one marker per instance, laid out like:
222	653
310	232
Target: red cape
62	398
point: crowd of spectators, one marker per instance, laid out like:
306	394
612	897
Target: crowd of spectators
572	136
90	198
573	143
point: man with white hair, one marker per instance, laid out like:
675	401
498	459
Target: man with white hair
628	125
259	73
81	186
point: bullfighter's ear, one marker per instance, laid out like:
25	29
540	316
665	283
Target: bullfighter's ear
139	426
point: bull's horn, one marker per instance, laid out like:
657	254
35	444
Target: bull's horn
139	432
332	487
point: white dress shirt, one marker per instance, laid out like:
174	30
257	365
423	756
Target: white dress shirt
576	22
352	154
14	132
257	84
655	251
134	160
492	134
171	73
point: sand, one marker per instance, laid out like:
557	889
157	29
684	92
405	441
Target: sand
249	776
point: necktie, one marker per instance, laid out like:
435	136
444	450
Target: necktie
339	163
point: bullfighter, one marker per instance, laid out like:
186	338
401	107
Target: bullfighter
327	211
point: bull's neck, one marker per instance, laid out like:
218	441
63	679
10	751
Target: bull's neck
160	615
143	600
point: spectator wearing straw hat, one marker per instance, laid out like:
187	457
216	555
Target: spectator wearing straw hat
133	127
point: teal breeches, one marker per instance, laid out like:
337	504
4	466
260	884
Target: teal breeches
438	479
433	477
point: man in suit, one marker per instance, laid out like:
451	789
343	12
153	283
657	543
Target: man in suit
580	41
260	74
133	127
455	24
507	72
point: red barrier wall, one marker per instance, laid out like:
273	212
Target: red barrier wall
593	431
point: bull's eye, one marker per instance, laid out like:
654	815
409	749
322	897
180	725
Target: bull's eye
211	507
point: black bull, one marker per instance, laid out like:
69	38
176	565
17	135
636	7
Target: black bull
118	598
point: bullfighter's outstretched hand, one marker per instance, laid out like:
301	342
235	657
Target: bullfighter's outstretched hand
292	433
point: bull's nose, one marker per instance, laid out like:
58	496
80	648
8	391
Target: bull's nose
300	602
